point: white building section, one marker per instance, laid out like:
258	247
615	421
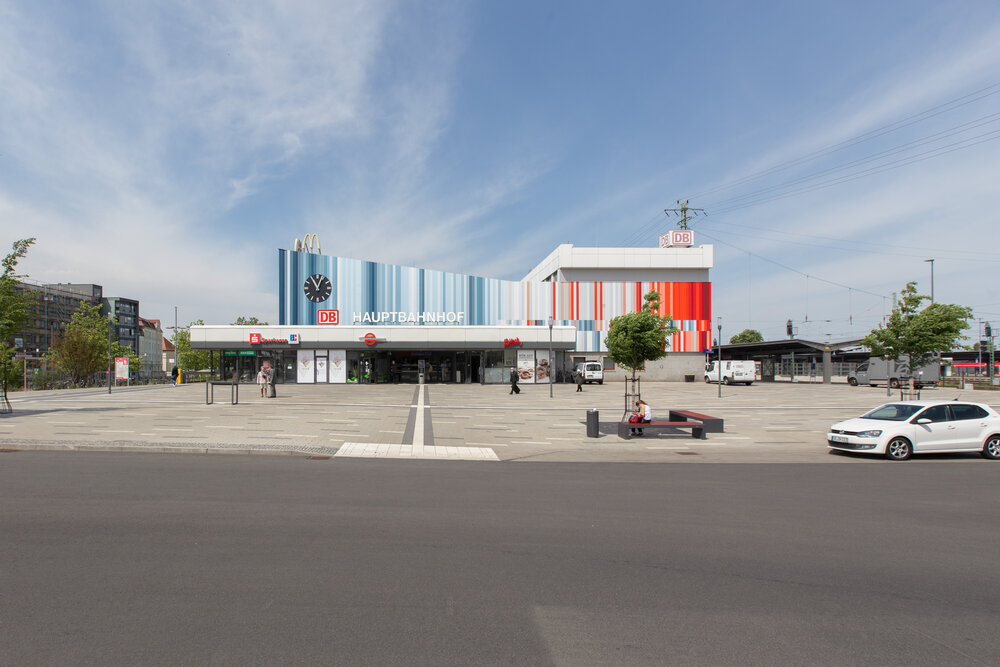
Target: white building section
568	264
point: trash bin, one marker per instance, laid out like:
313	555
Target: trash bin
593	427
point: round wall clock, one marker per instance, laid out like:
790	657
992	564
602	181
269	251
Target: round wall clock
317	288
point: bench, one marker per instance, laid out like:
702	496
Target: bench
678	419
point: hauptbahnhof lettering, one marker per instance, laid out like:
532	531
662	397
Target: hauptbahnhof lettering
349	320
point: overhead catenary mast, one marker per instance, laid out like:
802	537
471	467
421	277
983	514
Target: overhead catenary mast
683	212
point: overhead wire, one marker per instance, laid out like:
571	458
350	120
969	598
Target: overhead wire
902	148
932	112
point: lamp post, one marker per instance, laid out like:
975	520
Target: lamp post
551	360
932	278
111	360
720	357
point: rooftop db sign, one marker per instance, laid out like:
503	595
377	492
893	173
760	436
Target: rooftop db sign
677	238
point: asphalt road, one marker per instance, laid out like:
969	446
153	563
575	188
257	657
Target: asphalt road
169	559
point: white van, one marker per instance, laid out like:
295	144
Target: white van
732	371
592	371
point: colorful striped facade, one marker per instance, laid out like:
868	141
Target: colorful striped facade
361	286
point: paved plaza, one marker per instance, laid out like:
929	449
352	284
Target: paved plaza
775	422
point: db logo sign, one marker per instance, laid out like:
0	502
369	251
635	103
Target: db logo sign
255	339
328	317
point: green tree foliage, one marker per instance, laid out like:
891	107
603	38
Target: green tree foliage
14	306
248	322
82	350
918	333
635	338
187	358
747	336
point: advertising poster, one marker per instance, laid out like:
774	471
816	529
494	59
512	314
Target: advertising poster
338	366
305	372
543	366
121	368
526	366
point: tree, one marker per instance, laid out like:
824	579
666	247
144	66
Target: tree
918	333
188	359
248	322
82	349
14	305
747	336
635	338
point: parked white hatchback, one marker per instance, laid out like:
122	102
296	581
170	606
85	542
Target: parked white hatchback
904	428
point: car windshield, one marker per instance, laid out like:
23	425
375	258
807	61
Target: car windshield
895	412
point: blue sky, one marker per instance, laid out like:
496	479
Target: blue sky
165	150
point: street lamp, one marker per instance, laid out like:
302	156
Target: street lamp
932	278
720	357
551	360
111	360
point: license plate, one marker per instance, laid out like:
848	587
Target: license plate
838	438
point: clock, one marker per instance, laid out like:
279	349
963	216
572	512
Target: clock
317	288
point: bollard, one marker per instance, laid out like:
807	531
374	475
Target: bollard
593	428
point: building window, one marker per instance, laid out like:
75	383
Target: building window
609	364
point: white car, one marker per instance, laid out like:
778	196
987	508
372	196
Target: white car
903	428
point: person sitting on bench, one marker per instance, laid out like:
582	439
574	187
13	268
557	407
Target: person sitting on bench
645	414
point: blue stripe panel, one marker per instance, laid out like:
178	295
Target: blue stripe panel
393	294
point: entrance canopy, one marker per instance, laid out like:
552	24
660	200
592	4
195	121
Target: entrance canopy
375	337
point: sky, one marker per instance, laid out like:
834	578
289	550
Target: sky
166	150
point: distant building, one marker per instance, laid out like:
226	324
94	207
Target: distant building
127	313
150	347
169	355
51	310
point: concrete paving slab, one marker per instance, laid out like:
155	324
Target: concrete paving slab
779	422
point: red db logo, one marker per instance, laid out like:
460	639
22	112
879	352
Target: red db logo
328	316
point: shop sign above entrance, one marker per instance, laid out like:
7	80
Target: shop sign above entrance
370	339
257	339
512	342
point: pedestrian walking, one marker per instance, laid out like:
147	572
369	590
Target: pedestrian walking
514	389
173	375
579	380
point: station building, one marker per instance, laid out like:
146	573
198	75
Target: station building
343	320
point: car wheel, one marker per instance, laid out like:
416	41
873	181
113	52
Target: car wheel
749	383
707	379
852	381
726	380
991	448
894	383
898	449
600	382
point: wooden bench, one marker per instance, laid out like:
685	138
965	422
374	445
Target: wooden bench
679	419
